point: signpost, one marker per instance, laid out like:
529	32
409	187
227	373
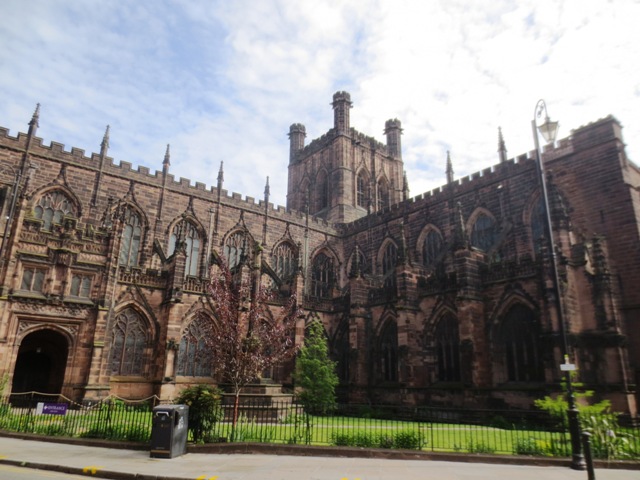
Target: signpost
51	408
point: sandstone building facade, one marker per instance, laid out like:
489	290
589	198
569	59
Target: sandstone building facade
442	298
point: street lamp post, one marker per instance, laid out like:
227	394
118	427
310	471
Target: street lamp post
548	130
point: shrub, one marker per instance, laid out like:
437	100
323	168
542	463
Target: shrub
529	446
480	447
409	439
204	409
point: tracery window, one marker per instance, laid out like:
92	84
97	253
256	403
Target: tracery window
129	340
80	286
321	276
236	249
192	244
131	238
32	279
52	207
359	262
484	232
447	343
383	194
389	260
389	353
362	196
519	336
284	261
431	248
194	359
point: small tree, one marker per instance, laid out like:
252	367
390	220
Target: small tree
246	339
315	372
204	409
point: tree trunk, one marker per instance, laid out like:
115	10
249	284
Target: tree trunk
236	407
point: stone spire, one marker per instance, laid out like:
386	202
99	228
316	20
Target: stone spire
220	176
33	124
502	149
167	158
449	168
104	146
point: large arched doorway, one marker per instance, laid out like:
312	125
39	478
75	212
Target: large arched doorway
41	363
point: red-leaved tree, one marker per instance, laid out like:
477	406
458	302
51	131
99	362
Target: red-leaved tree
247	338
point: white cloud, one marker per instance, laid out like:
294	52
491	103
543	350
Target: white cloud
222	81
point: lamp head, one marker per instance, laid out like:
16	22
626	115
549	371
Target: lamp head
548	130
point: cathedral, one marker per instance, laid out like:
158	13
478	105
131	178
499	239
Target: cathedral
444	298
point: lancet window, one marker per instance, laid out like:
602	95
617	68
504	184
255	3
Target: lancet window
129	340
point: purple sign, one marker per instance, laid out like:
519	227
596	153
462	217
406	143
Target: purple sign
52	408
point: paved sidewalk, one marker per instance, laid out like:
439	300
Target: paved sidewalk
130	464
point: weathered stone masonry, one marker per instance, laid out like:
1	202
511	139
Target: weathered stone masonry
443	298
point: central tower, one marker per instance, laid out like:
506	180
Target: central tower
344	175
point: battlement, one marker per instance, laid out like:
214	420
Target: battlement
326	139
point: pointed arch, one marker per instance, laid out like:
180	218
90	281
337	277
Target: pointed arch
362	263
322	274
189	234
517	346
237	247
382	193
55	203
447	348
284	260
363	189
430	246
387	261
131	241
194	353
534	217
130	341
388	351
322	190
484	230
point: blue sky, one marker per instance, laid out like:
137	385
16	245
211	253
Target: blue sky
224	80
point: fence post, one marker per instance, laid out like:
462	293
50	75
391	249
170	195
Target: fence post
586	446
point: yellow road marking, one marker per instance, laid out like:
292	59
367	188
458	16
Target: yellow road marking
92	469
204	477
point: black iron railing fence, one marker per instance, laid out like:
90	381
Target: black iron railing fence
425	428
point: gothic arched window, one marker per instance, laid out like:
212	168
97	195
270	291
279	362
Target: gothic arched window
236	249
131	238
389	261
321	276
284	261
447	343
129	340
519	335
389	352
358	263
362	193
383	194
431	248
192	244
484	232
194	359
53	207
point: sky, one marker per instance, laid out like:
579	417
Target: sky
224	80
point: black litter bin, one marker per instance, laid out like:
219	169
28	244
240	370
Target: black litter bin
169	431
